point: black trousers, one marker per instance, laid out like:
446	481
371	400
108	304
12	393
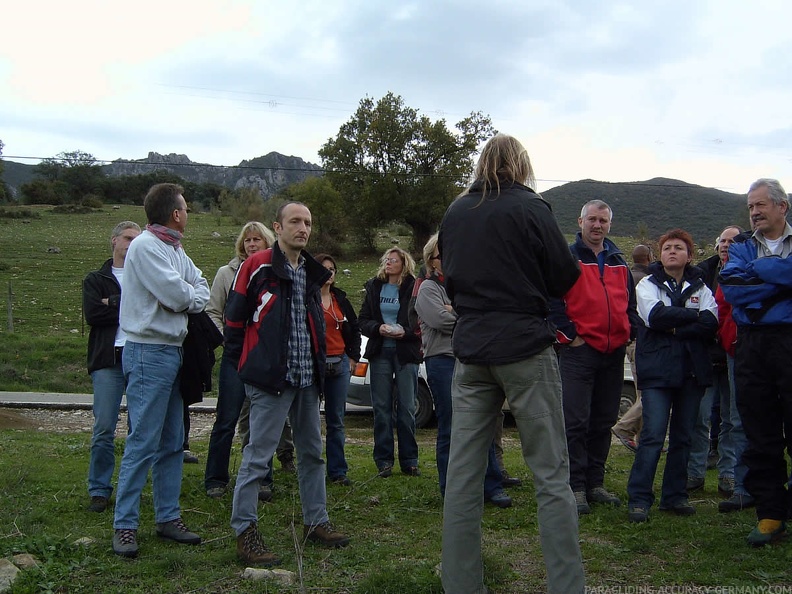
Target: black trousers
763	382
591	383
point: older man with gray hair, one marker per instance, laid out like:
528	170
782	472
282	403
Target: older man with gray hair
757	282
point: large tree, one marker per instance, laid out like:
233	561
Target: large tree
79	170
391	164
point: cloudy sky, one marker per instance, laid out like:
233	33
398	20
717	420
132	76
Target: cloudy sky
697	90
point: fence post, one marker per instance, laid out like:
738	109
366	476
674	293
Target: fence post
10	309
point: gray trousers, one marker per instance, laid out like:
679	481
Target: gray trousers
533	390
268	413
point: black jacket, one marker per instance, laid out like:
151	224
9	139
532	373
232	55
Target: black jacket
351	330
408	348
198	359
258	318
103	319
504	257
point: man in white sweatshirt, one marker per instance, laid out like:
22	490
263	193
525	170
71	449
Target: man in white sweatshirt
161	286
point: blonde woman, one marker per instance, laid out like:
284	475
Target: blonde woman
253	237
394	352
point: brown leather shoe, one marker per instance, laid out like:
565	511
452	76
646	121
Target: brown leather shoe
251	548
326	535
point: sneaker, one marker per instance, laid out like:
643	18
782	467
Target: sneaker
385	471
509	481
637	514
694	483
626	442
98	503
326	535
216	492
499	499
125	542
251	548
411	471
581	502
601	495
176	531
682	508
190	458
766	531
287	465
340	480
726	485
737	502
265	493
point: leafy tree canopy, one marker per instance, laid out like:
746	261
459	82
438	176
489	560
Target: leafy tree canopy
391	164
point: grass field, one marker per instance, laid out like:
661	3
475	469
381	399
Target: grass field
395	523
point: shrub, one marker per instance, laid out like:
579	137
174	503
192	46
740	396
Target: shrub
18	213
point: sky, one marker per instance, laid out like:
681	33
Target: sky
695	90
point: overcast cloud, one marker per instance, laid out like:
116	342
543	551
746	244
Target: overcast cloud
616	91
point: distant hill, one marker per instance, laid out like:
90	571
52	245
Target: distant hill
270	173
653	206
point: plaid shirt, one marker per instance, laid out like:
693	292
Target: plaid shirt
300	362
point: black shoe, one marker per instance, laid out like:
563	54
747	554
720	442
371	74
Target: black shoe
385	471
736	502
265	493
411	471
510	481
190	458
340	480
98	503
682	508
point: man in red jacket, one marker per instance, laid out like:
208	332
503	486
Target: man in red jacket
595	320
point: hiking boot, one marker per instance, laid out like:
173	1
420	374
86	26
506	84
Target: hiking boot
98	503
509	481
125	542
287	465
767	531
385	471
581	502
251	548
637	514
340	480
190	458
694	483
265	493
737	502
216	492
601	495
681	508
176	531
499	499
411	471
325	535
726	485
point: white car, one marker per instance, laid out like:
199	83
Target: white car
360	392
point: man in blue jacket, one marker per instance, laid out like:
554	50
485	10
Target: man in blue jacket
595	321
101	298
757	282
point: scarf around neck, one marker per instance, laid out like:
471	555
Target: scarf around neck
166	234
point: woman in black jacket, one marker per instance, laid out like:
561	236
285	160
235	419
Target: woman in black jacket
393	351
342	339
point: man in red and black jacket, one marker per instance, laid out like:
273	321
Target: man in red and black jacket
594	321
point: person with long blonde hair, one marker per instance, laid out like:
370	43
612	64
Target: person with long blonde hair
394	352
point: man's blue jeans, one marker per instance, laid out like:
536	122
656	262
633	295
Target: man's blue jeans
733	437
681	405
439	375
700	440
108	387
335	393
156	433
384	367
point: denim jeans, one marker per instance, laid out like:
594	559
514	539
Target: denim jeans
384	367
533	390
108	388
336	388
681	405
230	396
732	436
268	414
718	392
156	433
439	375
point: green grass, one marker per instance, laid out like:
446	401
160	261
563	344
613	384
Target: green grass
395	525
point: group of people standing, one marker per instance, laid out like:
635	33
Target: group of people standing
508	312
